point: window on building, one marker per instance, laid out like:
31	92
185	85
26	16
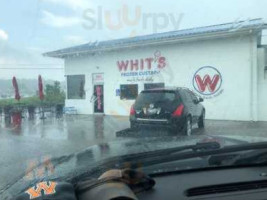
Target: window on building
149	86
129	92
75	85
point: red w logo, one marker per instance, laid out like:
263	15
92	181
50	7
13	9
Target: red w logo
207	82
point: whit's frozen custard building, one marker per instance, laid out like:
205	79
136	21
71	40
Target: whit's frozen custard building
225	64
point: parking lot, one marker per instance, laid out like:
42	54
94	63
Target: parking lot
39	139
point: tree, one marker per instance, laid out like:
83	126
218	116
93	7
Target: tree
53	94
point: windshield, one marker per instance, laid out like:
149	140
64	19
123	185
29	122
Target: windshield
82	82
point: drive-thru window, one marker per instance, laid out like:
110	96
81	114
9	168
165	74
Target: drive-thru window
148	86
129	92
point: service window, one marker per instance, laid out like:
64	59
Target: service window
75	86
129	92
149	86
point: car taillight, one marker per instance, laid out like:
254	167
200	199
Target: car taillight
132	111
179	110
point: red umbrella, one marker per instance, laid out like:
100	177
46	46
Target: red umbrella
16	87
40	86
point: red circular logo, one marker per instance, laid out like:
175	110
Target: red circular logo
207	80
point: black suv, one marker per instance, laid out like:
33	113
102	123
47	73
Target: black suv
175	108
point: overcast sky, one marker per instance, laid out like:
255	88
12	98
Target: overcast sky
29	28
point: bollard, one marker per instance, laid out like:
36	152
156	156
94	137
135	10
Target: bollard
31	110
7	116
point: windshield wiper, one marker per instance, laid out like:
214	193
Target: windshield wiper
164	156
144	157
176	156
258	156
194	154
166	152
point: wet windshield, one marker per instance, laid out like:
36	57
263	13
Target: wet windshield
85	81
157	99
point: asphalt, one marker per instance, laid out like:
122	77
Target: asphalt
34	141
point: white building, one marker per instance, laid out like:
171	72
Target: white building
225	64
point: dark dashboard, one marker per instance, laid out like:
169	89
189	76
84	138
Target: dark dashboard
236	183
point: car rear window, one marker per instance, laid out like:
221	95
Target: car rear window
158	98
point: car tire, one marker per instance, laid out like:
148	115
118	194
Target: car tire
201	121
187	130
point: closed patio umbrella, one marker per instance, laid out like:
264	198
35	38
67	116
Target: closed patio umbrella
16	88
40	87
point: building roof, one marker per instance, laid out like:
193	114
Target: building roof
228	28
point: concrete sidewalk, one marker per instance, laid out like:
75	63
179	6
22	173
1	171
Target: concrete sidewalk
216	127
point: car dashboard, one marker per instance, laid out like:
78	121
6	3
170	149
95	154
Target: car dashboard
230	183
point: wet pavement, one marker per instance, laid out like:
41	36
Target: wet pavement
24	147
35	141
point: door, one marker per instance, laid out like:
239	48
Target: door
99	99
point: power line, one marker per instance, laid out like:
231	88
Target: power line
30	64
32	68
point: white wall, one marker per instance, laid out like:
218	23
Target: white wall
231	56
262	85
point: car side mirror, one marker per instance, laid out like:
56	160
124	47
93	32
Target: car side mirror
200	99
195	101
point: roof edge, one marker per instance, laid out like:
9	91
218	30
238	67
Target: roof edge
233	28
